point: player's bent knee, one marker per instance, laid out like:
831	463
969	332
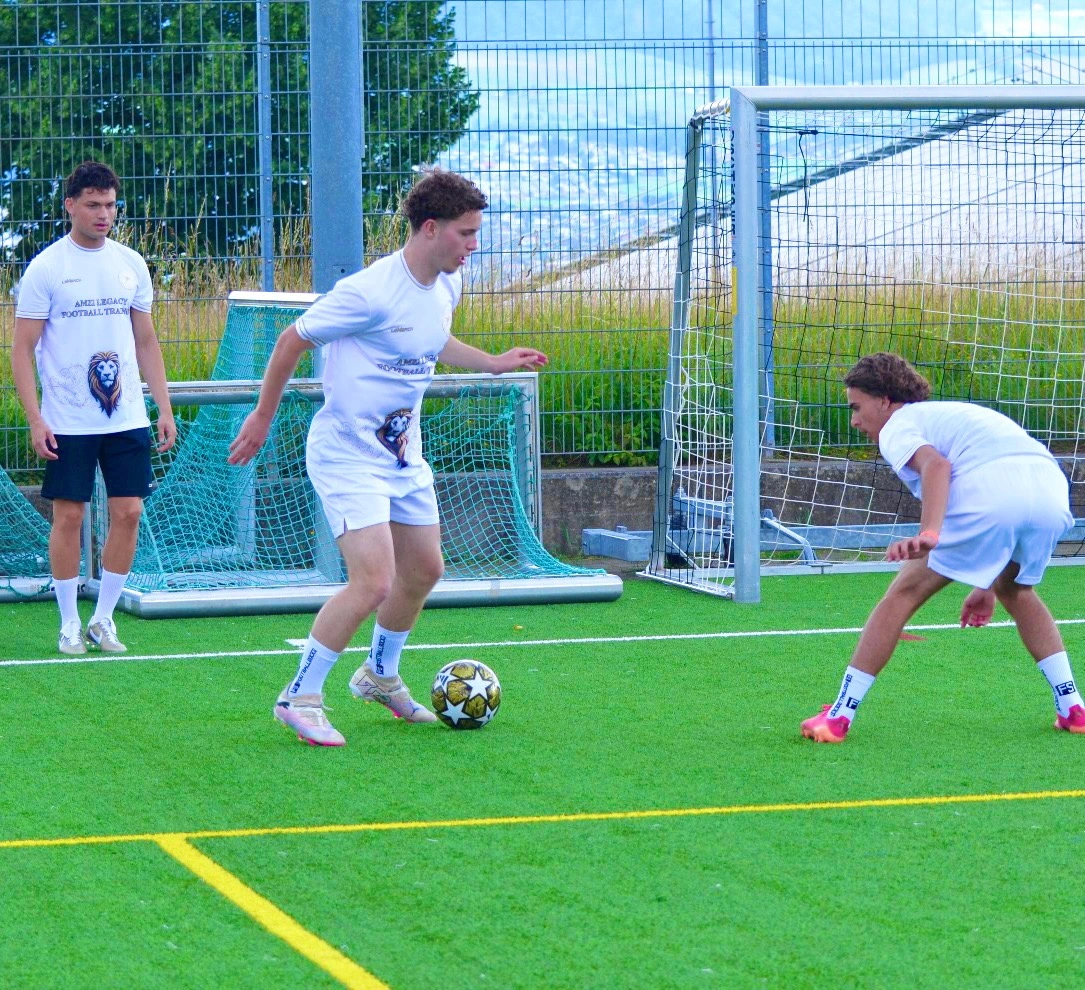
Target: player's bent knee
1010	595
431	572
361	598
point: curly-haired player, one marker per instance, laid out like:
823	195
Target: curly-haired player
994	505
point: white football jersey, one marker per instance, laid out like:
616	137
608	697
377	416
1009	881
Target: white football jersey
86	356
384	332
967	435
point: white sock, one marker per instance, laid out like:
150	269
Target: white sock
385	650
66	591
110	586
853	688
1061	678
316	663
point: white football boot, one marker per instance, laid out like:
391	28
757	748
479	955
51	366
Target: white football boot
103	634
390	692
71	639
304	713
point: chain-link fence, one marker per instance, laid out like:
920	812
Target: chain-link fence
569	113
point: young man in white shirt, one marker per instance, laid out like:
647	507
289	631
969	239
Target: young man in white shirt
84	317
385	327
994	505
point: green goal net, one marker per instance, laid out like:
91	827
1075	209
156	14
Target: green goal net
24	544
215	537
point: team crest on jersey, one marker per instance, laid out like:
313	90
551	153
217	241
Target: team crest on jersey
127	278
393	434
104	379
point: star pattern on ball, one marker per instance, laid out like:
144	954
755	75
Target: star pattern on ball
478	684
457	688
455	714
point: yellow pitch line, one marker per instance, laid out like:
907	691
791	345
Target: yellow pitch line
588	816
266	914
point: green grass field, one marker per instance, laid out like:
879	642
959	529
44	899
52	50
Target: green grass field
642	813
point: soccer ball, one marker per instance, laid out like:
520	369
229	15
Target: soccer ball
466	694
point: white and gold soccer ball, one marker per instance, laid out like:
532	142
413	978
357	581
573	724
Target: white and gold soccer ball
466	694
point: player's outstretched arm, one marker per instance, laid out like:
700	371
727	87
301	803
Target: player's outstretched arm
978	608
462	355
284	359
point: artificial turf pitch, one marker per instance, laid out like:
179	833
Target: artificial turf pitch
641	813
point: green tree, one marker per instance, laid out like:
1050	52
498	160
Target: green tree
167	94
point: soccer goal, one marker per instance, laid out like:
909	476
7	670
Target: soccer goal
218	539
818	224
24	546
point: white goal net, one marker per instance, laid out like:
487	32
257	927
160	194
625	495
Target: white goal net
819	225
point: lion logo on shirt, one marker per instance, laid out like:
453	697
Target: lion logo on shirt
104	379
393	434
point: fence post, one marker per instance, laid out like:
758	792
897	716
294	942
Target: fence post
764	197
336	111
263	117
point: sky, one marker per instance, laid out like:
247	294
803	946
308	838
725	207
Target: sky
579	136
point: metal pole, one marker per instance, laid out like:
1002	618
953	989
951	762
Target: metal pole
1065	97
748	298
335	72
764	198
337	137
263	116
687	222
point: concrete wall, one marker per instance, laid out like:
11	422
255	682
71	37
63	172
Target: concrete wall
575	499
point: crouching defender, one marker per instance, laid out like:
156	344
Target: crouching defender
994	505
386	327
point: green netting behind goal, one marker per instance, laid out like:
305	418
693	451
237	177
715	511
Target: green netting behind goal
24	542
209	525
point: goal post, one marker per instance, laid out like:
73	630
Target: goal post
943	223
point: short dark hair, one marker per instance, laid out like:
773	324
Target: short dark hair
887	376
91	175
441	195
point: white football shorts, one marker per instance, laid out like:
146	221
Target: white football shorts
1013	509
355	493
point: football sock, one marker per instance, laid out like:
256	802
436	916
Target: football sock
316	663
66	592
109	593
1057	671
855	685
385	651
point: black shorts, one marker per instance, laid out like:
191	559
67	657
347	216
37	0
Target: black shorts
125	460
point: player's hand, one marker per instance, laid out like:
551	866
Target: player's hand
250	438
519	357
167	431
45	443
912	547
978	608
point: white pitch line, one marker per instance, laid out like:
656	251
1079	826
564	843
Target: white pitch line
502	644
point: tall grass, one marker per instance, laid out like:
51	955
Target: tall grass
1014	342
